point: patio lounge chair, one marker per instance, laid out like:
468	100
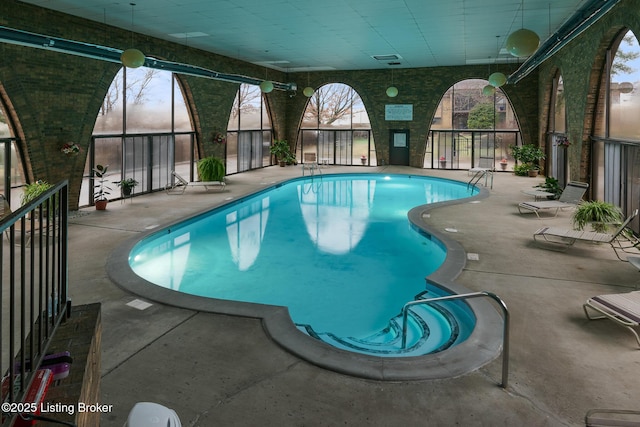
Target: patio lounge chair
181	184
570	198
619	240
624	309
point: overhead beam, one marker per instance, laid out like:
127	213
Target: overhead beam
572	28
109	54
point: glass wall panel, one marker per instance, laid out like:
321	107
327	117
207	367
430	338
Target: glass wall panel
181	116
148	97
457	139
109	120
336	127
249	131
559	108
624	96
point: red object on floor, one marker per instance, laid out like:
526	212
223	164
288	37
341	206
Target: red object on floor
35	396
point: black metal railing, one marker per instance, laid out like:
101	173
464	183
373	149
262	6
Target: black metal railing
34	298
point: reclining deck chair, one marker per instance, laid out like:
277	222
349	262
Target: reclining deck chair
180	184
624	309
619	240
570	198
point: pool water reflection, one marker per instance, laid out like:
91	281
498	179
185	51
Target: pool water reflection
338	251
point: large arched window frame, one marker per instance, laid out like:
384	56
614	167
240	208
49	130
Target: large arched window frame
557	132
143	131
249	131
472	128
12	161
616	135
336	128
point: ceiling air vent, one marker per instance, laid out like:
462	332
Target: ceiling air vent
385	58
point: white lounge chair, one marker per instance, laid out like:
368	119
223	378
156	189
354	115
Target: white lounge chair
624	309
619	239
180	184
570	198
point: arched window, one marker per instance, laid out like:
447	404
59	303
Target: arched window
557	132
249	131
143	131
471	128
335	126
11	162
616	150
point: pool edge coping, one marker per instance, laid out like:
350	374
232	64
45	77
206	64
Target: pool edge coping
481	347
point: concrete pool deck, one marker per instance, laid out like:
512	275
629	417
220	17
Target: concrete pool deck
217	369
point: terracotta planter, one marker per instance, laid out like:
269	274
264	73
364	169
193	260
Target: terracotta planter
533	173
101	205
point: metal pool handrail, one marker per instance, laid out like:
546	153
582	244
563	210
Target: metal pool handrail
505	333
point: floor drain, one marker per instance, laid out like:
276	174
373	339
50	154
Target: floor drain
473	257
451	230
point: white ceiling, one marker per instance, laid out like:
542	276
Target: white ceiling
300	35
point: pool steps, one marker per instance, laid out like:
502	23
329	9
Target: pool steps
421	339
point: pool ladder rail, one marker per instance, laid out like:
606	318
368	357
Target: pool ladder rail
500	302
433	328
478	174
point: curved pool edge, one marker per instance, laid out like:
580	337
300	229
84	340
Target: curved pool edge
481	347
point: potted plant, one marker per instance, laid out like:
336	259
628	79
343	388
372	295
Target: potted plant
101	189
211	169
551	185
280	148
503	164
529	156
127	185
363	159
599	214
34	190
443	162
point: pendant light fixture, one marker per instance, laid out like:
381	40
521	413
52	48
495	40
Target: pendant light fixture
308	90
267	85
132	58
392	91
523	42
488	90
497	79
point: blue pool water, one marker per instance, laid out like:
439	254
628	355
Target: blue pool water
338	251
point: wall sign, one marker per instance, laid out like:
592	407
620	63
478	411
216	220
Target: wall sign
398	112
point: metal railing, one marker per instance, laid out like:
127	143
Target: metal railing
34	298
505	333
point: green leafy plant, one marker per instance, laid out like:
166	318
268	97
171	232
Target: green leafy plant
521	170
211	169
102	190
280	148
551	185
127	185
34	190
597	213
528	154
